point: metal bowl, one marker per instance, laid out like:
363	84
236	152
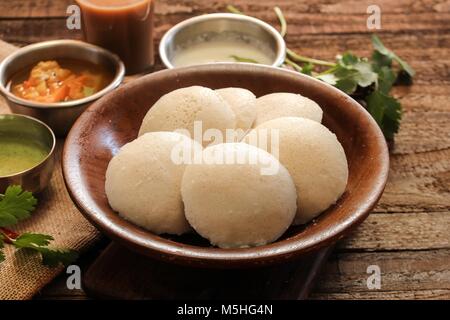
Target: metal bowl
36	178
217	23
59	116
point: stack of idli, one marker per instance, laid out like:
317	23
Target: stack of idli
223	190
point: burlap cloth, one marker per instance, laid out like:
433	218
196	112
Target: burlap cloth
23	275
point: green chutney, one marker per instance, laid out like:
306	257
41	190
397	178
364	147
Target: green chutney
18	154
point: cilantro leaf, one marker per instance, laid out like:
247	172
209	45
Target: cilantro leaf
386	79
328	78
35	239
347	85
16	205
386	111
342	71
365	76
358	70
53	258
379	46
380	60
371	81
39	243
348	59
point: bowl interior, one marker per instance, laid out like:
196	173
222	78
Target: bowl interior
115	120
27	128
16	129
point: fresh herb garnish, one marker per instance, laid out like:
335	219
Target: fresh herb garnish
242	59
16	205
388	56
368	80
283	23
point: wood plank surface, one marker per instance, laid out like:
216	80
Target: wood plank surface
409	231
407	235
400	271
51	8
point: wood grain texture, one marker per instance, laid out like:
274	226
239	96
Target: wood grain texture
379	295
51	8
400	271
407	230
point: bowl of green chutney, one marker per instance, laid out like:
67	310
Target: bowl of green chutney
27	152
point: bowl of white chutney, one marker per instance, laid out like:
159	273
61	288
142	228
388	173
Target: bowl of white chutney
222	37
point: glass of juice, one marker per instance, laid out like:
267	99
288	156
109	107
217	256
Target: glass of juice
124	27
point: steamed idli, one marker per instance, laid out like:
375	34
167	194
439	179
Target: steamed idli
242	102
314	158
234	205
282	104
180	108
143	182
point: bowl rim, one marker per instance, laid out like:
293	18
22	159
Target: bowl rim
49	154
158	247
280	54
119	73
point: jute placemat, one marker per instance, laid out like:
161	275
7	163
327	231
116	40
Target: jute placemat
23	275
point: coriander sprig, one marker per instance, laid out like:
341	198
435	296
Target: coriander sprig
368	80
283	22
16	205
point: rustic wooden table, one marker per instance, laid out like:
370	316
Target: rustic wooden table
407	235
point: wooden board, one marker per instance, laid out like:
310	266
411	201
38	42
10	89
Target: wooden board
122	274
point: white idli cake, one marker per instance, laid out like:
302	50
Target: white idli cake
282	104
180	108
234	205
242	102
314	158
143	182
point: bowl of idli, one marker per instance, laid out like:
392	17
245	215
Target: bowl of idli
225	165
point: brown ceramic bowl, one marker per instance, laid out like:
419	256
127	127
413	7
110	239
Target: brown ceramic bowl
115	120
